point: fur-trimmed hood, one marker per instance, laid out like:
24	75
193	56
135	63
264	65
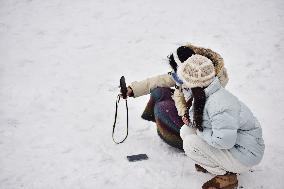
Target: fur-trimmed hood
216	59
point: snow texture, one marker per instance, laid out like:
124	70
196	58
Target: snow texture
60	64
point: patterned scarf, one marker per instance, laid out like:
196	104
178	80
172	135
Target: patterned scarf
176	78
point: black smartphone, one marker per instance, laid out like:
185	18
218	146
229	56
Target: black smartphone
123	88
137	157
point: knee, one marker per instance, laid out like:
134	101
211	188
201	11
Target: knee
191	144
160	93
186	130
161	108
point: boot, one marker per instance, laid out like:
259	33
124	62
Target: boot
227	181
200	169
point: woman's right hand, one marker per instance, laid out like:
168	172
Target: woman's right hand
129	92
185	120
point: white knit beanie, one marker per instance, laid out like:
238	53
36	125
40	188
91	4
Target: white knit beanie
196	71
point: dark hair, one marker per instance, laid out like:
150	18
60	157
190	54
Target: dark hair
172	62
198	106
183	53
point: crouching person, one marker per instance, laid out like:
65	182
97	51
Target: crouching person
162	106
222	137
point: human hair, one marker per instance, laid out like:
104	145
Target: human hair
199	97
172	62
183	53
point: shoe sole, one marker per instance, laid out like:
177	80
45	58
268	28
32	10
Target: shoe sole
232	186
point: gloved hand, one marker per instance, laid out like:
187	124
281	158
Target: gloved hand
129	92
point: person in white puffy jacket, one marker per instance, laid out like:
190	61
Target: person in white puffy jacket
222	136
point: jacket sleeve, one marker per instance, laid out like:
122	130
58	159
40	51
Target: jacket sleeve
180	102
223	134
144	87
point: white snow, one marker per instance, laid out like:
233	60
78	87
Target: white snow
60	62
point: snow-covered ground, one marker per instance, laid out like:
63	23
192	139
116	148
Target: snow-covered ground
60	61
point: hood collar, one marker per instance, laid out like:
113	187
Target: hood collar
213	87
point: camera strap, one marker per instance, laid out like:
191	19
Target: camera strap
115	116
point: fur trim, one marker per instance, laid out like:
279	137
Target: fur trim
223	77
216	58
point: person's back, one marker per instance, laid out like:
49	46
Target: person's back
223	137
238	129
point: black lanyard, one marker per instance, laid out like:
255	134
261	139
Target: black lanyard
115	116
